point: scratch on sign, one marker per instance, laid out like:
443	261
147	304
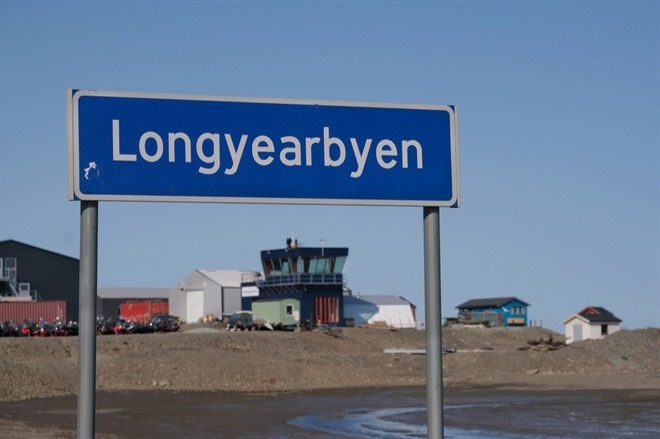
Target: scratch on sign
92	165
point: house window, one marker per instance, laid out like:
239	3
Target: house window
518	310
289	310
603	329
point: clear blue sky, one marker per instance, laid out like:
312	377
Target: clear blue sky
559	115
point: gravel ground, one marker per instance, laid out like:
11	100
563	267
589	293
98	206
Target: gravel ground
211	359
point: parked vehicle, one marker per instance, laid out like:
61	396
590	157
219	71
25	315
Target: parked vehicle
119	327
104	326
10	329
164	323
42	329
241	320
71	327
28	328
58	328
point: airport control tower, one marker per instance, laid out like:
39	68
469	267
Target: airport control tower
301	286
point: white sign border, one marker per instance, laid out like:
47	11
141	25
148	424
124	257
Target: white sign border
73	96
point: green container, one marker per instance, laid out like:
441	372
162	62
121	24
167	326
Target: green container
285	312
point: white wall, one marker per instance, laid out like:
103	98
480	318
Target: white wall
195	281
213	299
194	306
595	330
232	300
397	316
589	331
570	332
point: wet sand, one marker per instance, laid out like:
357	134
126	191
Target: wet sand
469	412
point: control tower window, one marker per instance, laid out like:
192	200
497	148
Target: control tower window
312	265
277	266
323	265
338	265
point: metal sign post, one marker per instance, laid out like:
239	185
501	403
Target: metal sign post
434	410
87	319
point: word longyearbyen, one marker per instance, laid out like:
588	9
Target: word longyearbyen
288	150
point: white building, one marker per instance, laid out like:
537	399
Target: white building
592	323
392	311
204	292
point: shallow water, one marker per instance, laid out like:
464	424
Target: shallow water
391	413
554	416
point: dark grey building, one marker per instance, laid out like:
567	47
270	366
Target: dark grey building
43	274
108	299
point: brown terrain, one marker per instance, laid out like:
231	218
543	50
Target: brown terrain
203	358
209	358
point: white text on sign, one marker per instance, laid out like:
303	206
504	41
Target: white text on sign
289	151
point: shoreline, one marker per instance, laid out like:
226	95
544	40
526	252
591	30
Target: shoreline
270	413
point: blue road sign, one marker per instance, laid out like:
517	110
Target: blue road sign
162	147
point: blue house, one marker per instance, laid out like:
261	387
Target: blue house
497	311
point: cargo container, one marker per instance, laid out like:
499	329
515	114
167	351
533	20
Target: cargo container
143	310
18	311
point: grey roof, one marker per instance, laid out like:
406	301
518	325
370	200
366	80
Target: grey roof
597	314
377	300
489	303
225	278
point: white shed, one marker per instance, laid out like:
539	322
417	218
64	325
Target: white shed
204	292
592	323
394	311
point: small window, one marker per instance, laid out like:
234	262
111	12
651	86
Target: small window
603	329
289	310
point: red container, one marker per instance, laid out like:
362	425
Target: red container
143	311
49	311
